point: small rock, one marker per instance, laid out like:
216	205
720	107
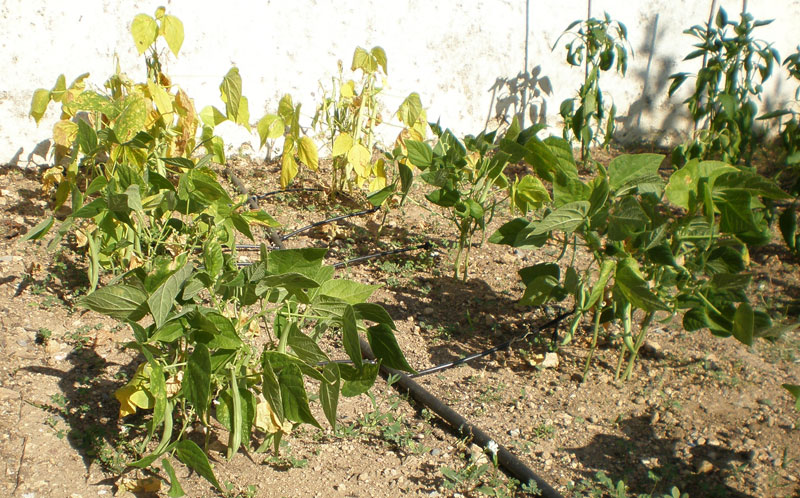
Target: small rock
513	433
436	452
427	311
653	349
363	477
704	467
701	441
654	418
593	419
340	487
638	400
550	361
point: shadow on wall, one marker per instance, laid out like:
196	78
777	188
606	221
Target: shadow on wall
41	150
654	80
520	96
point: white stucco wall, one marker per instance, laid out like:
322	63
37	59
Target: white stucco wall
457	55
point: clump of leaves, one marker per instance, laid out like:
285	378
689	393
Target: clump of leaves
297	147
735	66
598	45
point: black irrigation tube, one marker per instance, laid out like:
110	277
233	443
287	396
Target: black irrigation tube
329	220
505	458
444	366
285	191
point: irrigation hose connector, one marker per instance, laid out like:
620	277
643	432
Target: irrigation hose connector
505	459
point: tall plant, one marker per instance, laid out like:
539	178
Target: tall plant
736	64
598	45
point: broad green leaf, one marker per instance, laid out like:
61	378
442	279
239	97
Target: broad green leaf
211	116
329	392
304	347
271	388
686	179
529	194
172	31
39	102
295	400
565	218
374	313
193	457
169	332
384	344
144	30
212	257
307	152
420	154
743	324
197	379
380	57
541	284
162	300
348	291
630	282
363	60
626	219
231	93
121	301
507	233
87	138
635	171
350	335
259	218
358	380
307	261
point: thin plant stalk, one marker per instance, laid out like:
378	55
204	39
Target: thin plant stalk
638	344
595	332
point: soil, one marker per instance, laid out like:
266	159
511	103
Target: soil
705	414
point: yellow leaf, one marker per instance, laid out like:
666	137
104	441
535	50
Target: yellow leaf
41	98
134	394
146	485
51	178
348	89
266	420
379	171
342	145
172	31
288	169
307	152
144	30
359	157
64	133
161	98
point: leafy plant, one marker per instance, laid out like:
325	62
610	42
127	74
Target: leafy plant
735	65
125	158
297	148
679	248
466	177
598	45
349	116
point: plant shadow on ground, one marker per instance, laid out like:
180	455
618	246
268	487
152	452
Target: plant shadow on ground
777	269
85	402
620	458
467	316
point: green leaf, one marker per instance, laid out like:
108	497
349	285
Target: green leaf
743	324
212	257
794	390
787	223
193	457
271	388
607	267
635	171
231	93
162	300
342	145
329	392
172	31
175	489
420	154
374	313
304	347
270	126
508	232
358	380
363	60
350	335
144	30
410	110
197	380
295	400
132	119
529	194
348	291
211	116
121	301
565	218
630	282
384	344
40	230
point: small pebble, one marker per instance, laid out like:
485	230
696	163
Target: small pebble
704	467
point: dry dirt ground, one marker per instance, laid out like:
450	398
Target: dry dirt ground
705	414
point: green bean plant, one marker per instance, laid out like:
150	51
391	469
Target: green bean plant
598	45
125	157
467	179
655	250
790	139
736	64
349	116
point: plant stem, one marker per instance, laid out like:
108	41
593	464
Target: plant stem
596	329
638	344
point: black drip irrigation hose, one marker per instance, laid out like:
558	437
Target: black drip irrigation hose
505	458
285	191
329	220
444	366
